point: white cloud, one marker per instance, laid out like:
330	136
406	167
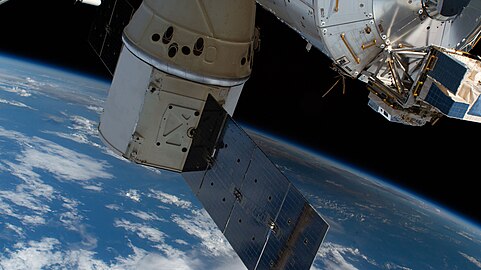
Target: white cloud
175	259
30	200
15	103
63	163
197	223
142	231
45	254
471	259
31	194
12	135
333	257
158	171
32	185
92	188
113	207
25	200
71	218
76	137
133	194
33	220
169	250
83	130
145	216
142	259
18	230
231	263
2	166
170	199
96	109
32	256
49	254
18	90
393	266
181	242
200	225
146	232
84	125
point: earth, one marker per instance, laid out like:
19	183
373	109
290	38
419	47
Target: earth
67	202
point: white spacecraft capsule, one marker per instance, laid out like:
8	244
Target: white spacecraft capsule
175	53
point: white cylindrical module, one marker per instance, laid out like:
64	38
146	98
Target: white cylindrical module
91	2
176	53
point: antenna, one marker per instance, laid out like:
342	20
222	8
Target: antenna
341	78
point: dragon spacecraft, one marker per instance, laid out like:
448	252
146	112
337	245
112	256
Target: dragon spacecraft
179	67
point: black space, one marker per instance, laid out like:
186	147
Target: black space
283	97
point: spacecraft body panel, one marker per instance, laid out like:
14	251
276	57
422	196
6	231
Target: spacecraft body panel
149	115
121	109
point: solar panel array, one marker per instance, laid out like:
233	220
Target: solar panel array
263	216
445	104
448	72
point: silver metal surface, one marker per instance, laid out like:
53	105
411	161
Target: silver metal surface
404	23
444	10
464	31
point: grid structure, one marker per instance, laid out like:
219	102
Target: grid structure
263	216
445	104
448	72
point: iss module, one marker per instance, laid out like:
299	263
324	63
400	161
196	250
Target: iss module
179	68
412	54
